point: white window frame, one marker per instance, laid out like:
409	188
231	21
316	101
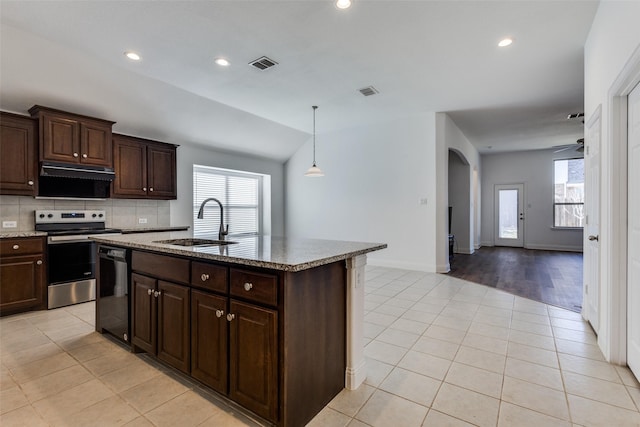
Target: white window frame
224	199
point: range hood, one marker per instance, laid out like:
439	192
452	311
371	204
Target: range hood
74	181
62	170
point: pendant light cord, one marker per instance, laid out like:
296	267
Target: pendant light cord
315	107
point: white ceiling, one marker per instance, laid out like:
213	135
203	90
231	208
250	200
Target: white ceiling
421	55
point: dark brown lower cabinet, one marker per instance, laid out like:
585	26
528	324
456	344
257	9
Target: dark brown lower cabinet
253	358
161	320
209	329
23	275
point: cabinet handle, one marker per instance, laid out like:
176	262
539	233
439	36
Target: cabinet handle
39	262
84	156
219	313
149	291
144	188
75	154
30	182
204	277
16	247
151	189
248	286
157	294
230	317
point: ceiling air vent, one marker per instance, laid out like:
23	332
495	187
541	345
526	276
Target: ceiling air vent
263	63
368	91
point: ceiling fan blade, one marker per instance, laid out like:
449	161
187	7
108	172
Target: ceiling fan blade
563	149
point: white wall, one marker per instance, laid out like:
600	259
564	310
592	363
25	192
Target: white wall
374	179
188	155
459	201
534	169
613	41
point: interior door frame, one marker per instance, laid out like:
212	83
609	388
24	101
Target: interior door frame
615	343
496	216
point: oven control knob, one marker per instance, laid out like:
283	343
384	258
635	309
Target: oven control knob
94	215
100	215
41	215
50	216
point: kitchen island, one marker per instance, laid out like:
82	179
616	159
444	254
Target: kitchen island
274	324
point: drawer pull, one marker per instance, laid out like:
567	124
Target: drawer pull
248	286
16	247
30	182
39	262
149	291
230	317
219	313
204	277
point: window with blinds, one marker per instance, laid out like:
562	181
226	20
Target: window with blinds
239	192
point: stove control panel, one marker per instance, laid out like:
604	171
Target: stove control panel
69	216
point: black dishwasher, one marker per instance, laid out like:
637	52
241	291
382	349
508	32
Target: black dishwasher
113	290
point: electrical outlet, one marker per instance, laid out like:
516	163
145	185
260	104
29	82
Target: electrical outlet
423	201
9	224
142	220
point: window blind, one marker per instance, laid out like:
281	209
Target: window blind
239	192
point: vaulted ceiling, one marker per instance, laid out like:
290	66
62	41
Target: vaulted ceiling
421	56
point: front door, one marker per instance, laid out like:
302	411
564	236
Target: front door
591	288
633	237
509	215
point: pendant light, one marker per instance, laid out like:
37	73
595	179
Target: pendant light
314	171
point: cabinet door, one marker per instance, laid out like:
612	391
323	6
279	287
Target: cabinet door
143	327
130	167
161	172
22	283
95	144
60	139
253	356
173	325
17	155
209	340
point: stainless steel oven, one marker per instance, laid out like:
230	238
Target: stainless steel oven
71	253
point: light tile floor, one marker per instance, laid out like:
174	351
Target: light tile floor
440	352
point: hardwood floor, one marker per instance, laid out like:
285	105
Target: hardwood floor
548	276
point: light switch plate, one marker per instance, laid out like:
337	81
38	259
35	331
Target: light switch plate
142	220
9	224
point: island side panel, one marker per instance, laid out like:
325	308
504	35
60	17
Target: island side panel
313	344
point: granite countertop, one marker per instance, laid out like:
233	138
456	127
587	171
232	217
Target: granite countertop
279	253
19	234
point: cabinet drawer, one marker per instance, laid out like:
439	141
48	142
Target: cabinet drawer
209	276
161	266
9	247
254	286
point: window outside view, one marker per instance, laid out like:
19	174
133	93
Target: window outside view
568	193
508	219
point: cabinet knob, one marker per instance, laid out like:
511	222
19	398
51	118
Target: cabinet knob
39	262
16	247
75	154
149	291
204	277
151	189
30	182
144	188
230	317
84	156
157	294
219	313
248	286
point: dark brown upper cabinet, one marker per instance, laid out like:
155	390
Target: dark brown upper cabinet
144	169
18	158
73	138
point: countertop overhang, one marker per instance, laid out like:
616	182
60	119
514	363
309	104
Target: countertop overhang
278	253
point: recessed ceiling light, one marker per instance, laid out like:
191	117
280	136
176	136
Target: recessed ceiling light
505	42
132	56
343	4
222	62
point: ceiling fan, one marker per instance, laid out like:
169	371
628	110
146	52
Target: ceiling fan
579	145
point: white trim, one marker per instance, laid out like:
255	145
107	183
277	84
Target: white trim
545	247
614	341
464	251
429	268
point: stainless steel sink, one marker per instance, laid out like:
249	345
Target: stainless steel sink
195	242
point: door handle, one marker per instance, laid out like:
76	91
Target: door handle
592	238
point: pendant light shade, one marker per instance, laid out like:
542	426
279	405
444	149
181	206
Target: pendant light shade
314	171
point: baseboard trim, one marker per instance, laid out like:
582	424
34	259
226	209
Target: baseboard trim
401	265
562	248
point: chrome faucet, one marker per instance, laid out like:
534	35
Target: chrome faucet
222	231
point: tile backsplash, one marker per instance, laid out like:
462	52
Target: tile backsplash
121	213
